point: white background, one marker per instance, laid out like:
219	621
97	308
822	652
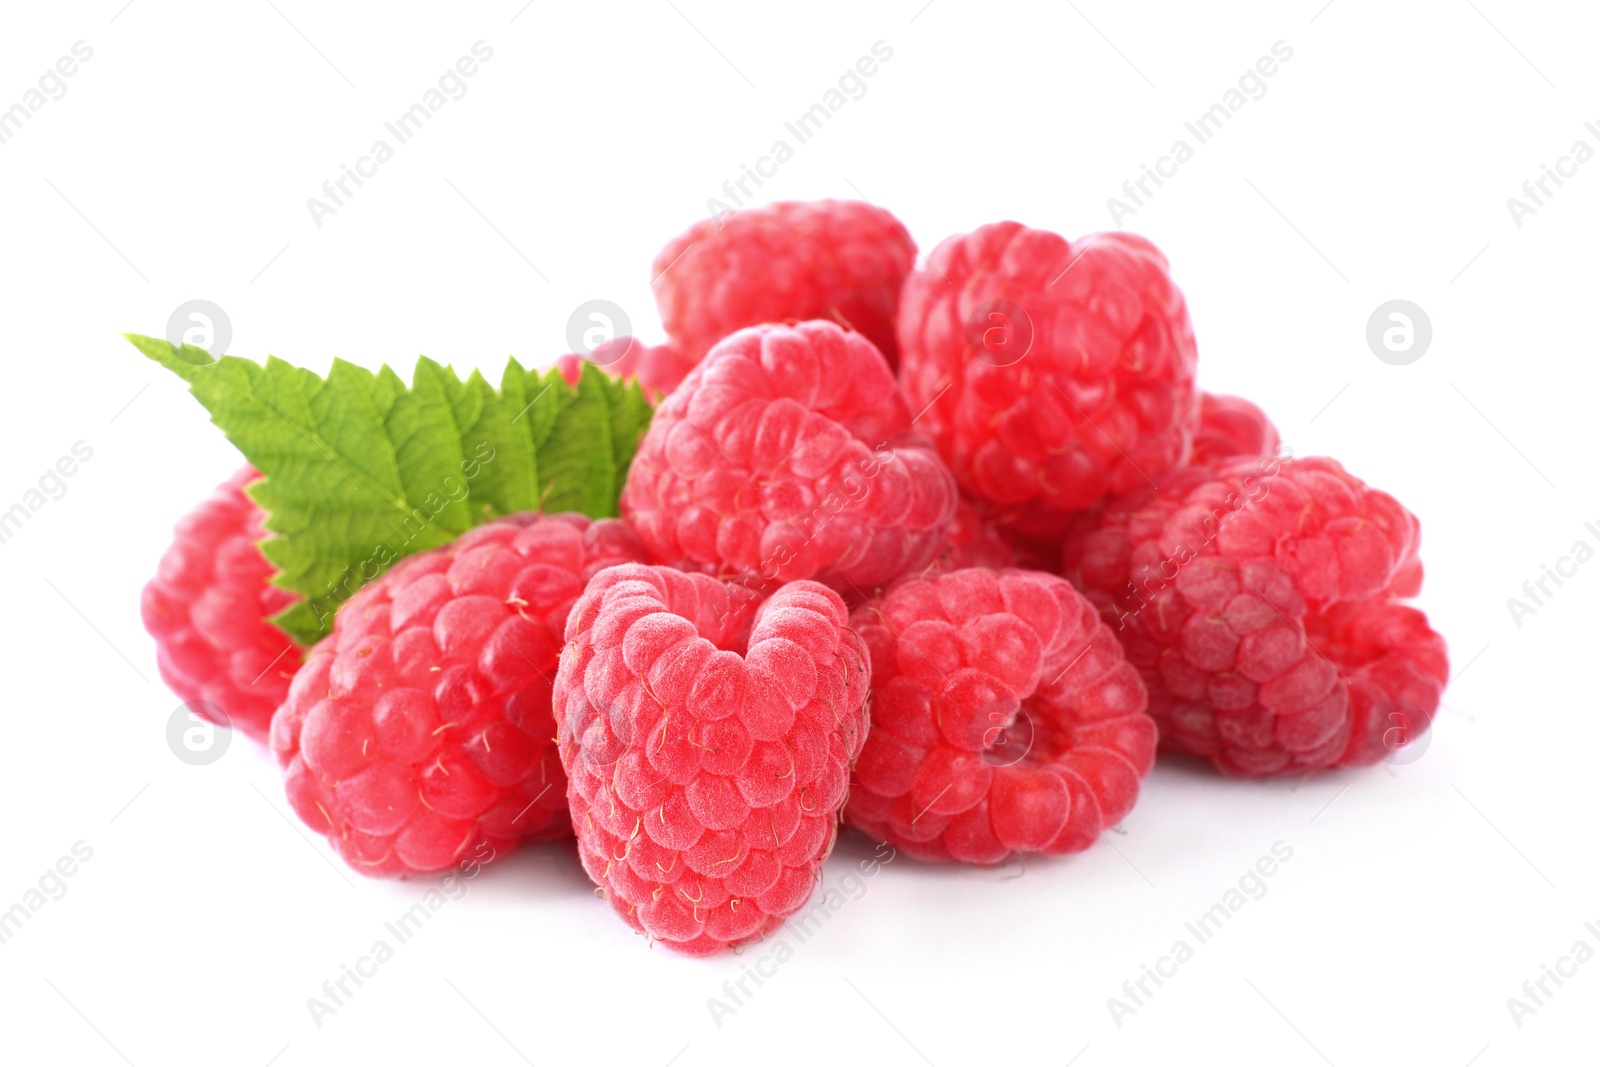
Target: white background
1377	166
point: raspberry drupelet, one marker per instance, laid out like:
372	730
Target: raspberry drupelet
1231	426
659	369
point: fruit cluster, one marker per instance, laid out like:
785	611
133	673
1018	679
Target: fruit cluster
939	553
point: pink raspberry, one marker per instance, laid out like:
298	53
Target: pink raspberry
1231	426
1004	718
840	260
973	541
786	454
421	727
658	368
1256	598
708	748
208	605
1052	374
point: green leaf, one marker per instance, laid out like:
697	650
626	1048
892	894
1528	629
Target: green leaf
362	470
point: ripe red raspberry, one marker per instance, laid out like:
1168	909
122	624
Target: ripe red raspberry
1004	718
659	368
421	726
208	605
1231	426
1255	597
706	780
974	539
975	542
788	454
1052	374
841	260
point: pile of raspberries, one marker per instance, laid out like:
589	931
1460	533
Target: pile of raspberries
938	552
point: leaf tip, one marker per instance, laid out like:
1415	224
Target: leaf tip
183	360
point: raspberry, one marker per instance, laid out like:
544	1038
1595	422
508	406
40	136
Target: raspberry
788	454
421	726
1052	374
841	260
706	780
1256	598
208	605
974	542
659	368
1004	718
974	539
1231	426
